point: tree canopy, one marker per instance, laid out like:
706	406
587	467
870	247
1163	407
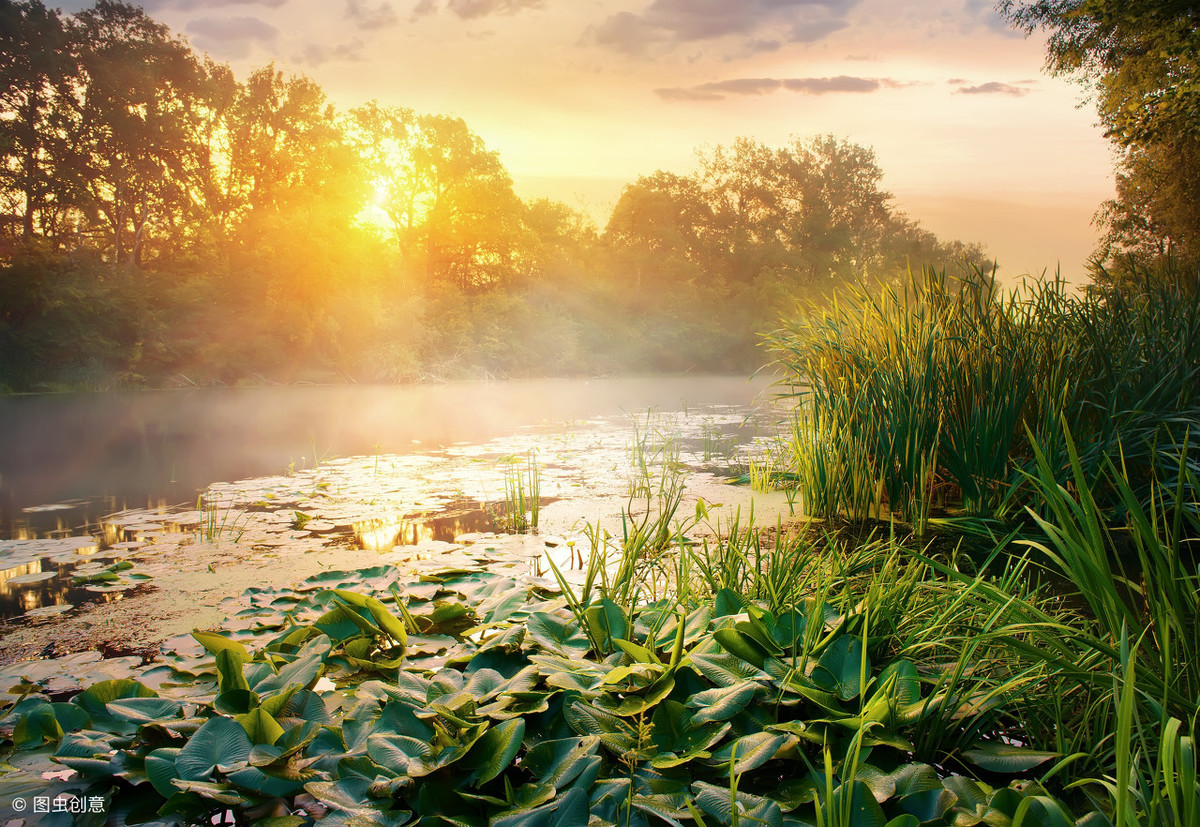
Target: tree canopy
248	229
1141	59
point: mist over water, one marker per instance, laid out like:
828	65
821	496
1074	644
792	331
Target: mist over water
140	448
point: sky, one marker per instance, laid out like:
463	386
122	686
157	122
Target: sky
580	97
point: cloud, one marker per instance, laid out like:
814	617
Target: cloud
151	5
995	87
315	54
365	17
719	90
983	13
423	9
668	23
230	37
473	9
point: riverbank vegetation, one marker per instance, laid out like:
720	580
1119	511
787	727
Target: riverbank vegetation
165	223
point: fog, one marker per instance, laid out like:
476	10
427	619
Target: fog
158	446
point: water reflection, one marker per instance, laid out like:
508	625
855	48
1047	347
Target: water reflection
103	476
137	449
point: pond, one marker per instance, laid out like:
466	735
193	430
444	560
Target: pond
168	502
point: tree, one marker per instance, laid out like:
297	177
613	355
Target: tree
36	70
449	198
134	131
1142	59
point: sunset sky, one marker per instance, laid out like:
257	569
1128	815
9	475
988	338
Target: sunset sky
582	96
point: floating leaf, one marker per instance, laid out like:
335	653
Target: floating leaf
996	756
221	744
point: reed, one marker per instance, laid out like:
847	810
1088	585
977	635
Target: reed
931	397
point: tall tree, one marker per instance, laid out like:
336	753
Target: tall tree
36	75
137	112
1142	60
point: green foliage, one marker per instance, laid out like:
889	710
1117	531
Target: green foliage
787	718
936	396
1142	58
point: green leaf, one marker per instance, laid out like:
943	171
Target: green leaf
639	653
752	751
37	726
556	634
216	643
726	670
494	751
560	761
145	710
569	810
260	726
995	756
160	767
722	702
95	698
728	602
400	752
742	645
842	666
221	744
607	622
229	671
612	731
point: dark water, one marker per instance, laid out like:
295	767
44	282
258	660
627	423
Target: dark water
85	455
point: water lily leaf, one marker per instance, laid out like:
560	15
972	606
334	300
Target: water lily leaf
557	635
742	645
95	698
906	820
400	752
637	703
260	726
679	737
561	761
230	676
220	744
612	731
718	802
639	653
752	751
996	756
160	767
500	608
37	726
842	666
569	810
257	781
236	702
220	793
928	805
392	625
728	602
757	629
301	672
494	751
971	794
726	670
144	710
863	809
302	705
905	684
216	643
607	621
723	702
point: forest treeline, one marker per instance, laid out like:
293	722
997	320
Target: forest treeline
165	223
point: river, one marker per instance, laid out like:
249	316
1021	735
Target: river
89	479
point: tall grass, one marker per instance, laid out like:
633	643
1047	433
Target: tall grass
931	396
